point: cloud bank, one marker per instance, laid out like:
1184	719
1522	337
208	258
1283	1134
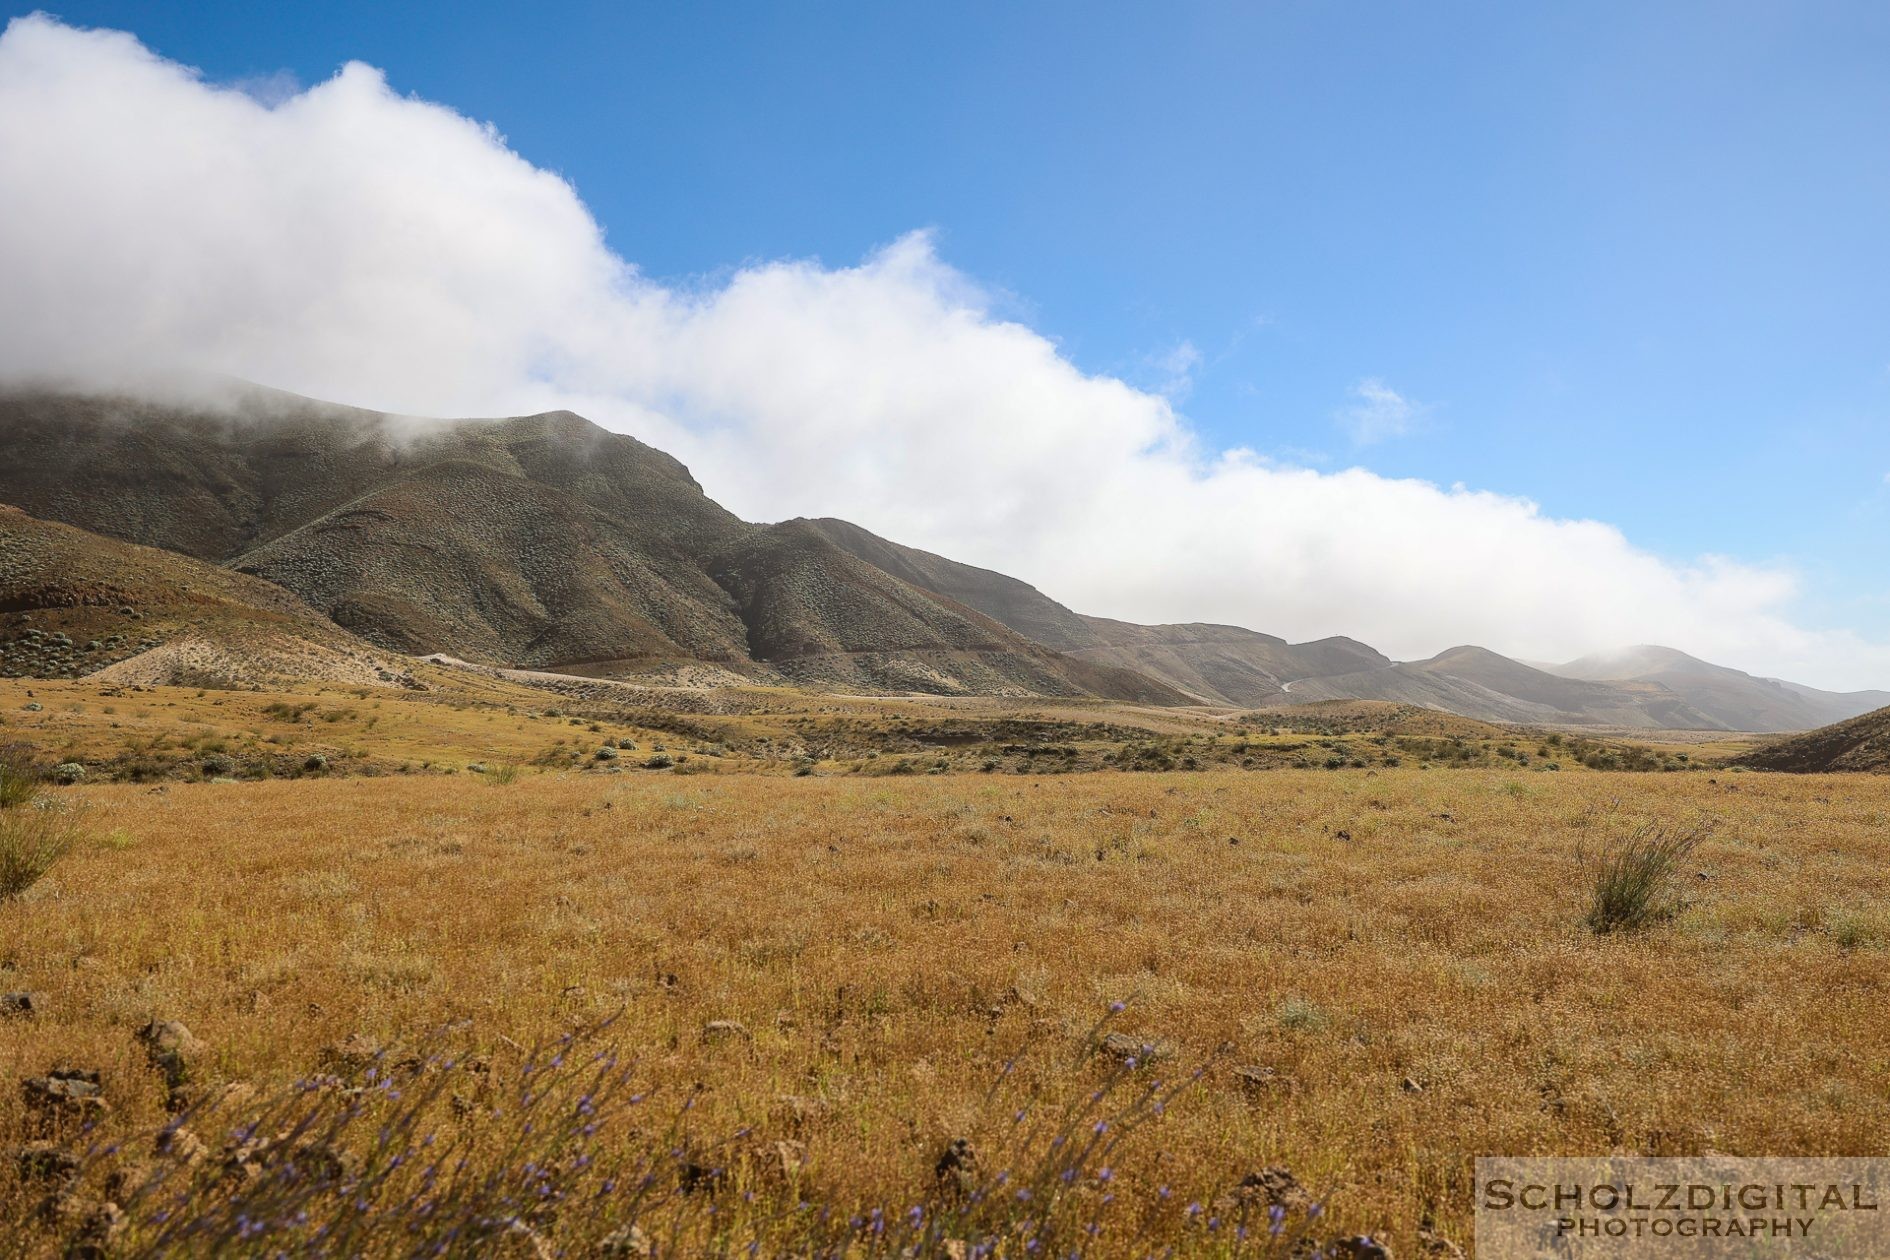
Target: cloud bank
351	243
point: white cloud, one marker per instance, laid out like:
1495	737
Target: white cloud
1377	412
350	243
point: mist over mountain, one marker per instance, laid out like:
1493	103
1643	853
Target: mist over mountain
546	542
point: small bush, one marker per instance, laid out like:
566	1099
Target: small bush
1299	1015
18	781
499	776
33	838
1638	884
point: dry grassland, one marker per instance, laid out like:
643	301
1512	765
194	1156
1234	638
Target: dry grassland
1400	952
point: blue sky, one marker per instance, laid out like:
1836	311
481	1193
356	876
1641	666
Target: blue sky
1627	261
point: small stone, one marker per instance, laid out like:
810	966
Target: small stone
1410	1085
1259	1079
1270	1187
798	1110
726	1030
22	1005
181	1144
64	1091
628	1243
356	1054
1135	1050
521	1240
1358	1247
957	1168
97	1232
787	1157
171	1048
46	1161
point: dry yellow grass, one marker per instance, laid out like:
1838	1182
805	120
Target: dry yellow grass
1403	948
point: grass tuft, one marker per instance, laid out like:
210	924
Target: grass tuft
1638	884
34	832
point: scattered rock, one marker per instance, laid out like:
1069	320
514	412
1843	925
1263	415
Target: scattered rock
64	1094
311	1160
1268	1188
1259	1079
957	1168
172	1049
787	1157
101	1228
700	1178
46	1162
520	1239
1410	1085
1136	1051
181	1144
628	1243
796	1109
359	1054
726	1030
21	1005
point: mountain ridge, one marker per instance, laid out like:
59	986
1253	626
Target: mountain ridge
548	542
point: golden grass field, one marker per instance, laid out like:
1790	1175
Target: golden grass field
1399	951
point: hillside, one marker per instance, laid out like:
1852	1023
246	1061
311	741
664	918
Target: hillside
1859	743
74	604
1006	600
539	542
1479	683
1730	697
1207	663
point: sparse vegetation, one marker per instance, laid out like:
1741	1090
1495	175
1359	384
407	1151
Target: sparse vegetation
887	945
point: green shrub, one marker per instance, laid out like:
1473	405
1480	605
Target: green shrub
1638	884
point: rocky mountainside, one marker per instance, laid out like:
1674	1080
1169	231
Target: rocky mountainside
540	541
1210	664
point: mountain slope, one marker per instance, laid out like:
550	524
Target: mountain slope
1860	743
1736	700
1224	664
1210	663
76	604
538	541
1479	683
1006	600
